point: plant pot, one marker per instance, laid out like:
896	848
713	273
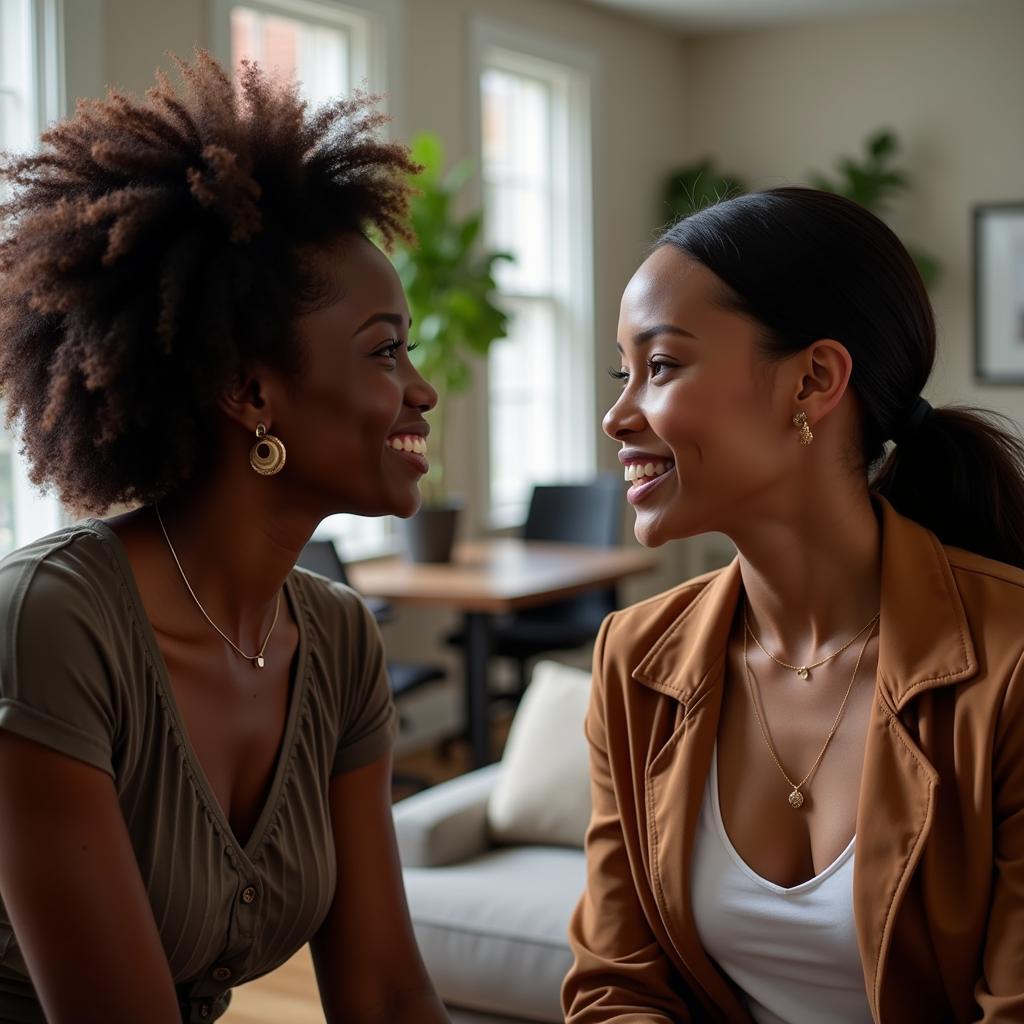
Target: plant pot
430	533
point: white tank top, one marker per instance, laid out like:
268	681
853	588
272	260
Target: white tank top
793	952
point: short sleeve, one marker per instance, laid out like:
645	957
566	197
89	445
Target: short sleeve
56	681
368	719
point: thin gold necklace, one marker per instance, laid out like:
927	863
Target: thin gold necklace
796	798
804	671
256	659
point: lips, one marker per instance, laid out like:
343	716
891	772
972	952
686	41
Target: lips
639	491
411	448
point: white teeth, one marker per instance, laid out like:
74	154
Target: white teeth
638	470
408	444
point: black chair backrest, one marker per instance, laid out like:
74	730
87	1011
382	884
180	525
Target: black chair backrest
581	513
578	513
321	556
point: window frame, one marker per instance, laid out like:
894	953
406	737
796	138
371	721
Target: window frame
46	44
375	24
46	102
574	73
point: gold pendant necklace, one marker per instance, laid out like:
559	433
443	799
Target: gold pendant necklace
796	798
257	658
804	671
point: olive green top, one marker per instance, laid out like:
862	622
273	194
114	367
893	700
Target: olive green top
80	671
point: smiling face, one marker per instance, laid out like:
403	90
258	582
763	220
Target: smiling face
697	402
353	417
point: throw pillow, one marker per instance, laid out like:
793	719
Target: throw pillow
542	795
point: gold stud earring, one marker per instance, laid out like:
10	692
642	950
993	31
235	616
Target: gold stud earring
806	435
267	455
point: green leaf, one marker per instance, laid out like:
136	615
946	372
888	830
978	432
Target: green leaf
470	230
448	281
427	149
883	144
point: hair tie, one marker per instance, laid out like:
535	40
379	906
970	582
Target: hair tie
918	414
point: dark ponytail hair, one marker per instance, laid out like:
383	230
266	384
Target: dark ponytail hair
807	265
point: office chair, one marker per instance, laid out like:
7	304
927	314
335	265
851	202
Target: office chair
321	556
578	513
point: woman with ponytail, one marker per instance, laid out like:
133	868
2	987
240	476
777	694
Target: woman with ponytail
807	767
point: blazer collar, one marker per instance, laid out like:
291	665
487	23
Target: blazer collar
689	654
924	639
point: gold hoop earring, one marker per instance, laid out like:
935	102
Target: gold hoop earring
806	435
267	455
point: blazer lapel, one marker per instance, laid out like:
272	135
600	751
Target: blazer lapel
924	643
687	664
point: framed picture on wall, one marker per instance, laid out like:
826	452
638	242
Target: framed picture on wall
999	293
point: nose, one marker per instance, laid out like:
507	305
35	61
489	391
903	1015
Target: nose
623	418
419	393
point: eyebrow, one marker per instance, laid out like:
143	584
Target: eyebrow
642	337
388	318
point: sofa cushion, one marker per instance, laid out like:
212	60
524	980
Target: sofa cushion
542	793
492	930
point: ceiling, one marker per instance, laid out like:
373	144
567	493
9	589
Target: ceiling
704	17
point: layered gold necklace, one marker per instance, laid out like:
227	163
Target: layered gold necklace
796	797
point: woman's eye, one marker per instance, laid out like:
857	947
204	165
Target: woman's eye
389	351
656	366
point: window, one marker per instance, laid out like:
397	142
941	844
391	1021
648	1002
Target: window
535	148
324	49
331	49
17	113
30	84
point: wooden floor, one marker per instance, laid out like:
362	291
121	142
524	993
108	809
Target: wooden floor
289	994
285	996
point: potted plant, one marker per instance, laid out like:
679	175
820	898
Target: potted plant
872	181
449	283
697	185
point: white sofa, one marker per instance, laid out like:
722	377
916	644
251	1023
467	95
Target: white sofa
494	865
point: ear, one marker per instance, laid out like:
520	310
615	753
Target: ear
245	401
827	367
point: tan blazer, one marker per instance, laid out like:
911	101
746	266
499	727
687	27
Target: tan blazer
939	869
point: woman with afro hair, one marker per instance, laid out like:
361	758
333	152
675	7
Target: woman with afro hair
194	735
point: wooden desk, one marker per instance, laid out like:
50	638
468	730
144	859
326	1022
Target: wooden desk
492	577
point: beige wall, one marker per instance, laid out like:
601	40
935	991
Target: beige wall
637	138
139	34
772	105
